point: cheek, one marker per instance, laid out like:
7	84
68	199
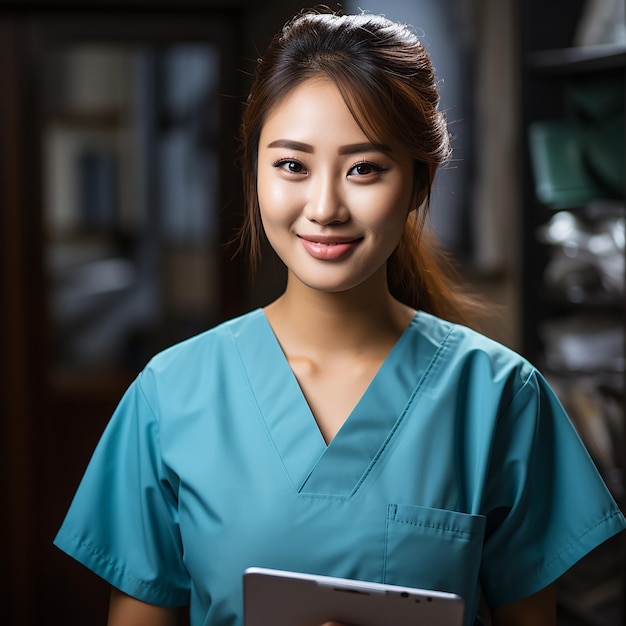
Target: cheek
277	202
387	212
265	191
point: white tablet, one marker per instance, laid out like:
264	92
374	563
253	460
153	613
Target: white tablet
280	598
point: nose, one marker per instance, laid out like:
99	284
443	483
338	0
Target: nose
325	204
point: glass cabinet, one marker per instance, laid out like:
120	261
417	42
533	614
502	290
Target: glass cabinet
131	193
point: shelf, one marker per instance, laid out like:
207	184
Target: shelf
579	59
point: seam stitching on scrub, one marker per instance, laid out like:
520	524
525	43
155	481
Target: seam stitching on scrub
504	410
577	540
436	358
497	588
258	409
523	386
390	514
458	531
145	397
115	567
157	421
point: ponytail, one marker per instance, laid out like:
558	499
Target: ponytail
421	274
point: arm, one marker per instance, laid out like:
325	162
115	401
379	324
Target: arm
536	610
127	611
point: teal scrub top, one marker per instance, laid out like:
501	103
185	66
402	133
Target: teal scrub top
458	470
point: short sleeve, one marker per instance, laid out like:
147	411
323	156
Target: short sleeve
123	521
547	504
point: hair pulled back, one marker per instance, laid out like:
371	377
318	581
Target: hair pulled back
388	83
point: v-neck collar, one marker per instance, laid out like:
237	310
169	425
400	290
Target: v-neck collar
313	466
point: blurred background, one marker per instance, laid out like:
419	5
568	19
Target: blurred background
120	197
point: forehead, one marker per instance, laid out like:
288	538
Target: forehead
317	109
310	108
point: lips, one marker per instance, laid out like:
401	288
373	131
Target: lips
327	248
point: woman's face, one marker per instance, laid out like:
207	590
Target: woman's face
333	205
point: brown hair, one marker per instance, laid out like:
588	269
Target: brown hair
387	81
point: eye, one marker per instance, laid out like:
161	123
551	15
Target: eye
365	168
291	166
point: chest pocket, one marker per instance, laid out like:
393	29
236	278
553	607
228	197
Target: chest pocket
434	549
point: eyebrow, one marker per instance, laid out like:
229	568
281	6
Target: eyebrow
349	149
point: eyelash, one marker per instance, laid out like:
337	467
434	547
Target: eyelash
377	169
280	163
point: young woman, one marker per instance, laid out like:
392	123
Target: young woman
355	426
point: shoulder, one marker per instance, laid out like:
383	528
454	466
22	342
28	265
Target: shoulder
479	371
468	348
493	384
204	357
204	344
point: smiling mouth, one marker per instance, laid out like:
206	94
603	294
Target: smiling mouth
330	241
329	249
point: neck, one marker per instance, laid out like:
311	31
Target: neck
362	319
